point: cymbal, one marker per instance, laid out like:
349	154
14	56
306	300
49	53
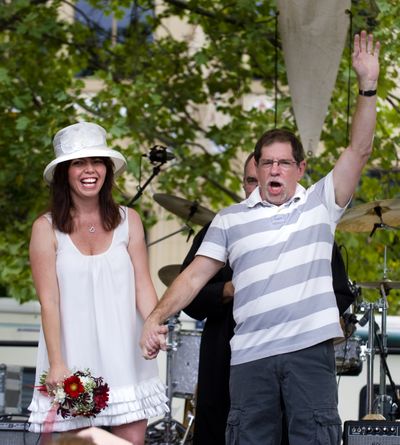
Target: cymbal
190	211
167	274
377	284
363	218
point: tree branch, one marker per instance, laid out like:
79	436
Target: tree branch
393	104
6	23
203	12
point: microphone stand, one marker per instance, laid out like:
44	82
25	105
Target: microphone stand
156	171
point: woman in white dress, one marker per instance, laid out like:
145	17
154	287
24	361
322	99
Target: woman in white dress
90	269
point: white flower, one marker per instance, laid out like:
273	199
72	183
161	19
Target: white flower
87	382
59	395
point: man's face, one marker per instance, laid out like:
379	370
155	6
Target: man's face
278	181
250	177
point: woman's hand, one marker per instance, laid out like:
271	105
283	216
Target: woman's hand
57	374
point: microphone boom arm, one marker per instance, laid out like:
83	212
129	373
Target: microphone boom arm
158	156
156	171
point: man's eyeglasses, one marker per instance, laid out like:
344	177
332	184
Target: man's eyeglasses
285	164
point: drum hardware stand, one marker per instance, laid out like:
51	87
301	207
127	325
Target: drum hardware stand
184	228
170	430
190	423
383	400
368	351
383	403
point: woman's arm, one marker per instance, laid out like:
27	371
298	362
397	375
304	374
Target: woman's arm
146	297
42	252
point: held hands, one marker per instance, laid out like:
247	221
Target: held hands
153	339
365	59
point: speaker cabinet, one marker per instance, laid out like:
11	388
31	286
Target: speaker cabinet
20	381
19	438
371	432
15	432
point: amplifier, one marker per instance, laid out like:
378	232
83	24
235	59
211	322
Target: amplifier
9	425
19	438
14	431
20	381
371	432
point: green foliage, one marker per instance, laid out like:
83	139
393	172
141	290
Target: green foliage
152	89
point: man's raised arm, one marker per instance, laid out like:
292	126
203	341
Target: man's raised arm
349	166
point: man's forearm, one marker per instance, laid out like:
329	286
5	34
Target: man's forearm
181	292
363	125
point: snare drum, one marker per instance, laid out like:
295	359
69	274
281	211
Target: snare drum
347	354
185	364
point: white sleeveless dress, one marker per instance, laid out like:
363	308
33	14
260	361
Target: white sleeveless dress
100	330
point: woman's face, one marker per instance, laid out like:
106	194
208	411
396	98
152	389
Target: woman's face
86	176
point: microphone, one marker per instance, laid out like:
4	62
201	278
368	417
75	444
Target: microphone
159	155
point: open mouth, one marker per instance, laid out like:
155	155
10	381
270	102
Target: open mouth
274	186
89	182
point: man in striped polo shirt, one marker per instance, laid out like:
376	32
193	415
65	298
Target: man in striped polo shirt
279	245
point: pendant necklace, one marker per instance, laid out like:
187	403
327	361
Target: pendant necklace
92	229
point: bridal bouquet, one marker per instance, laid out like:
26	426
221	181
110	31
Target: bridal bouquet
80	394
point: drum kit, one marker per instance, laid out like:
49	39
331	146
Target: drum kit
183	345
370	217
181	380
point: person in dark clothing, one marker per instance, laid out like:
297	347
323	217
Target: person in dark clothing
212	398
214	304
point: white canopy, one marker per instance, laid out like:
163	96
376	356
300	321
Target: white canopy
313	34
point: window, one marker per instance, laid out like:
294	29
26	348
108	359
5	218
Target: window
110	28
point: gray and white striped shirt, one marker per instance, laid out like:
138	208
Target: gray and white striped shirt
281	261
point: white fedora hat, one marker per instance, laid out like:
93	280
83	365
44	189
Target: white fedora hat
82	140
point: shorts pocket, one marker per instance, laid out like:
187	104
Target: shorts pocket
328	427
233	427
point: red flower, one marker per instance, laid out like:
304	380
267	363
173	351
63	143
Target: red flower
100	397
73	386
79	401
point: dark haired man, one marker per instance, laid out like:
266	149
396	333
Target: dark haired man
279	245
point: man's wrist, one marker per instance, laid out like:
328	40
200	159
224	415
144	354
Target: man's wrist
367	84
154	318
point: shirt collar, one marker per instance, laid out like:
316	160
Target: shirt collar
255	198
